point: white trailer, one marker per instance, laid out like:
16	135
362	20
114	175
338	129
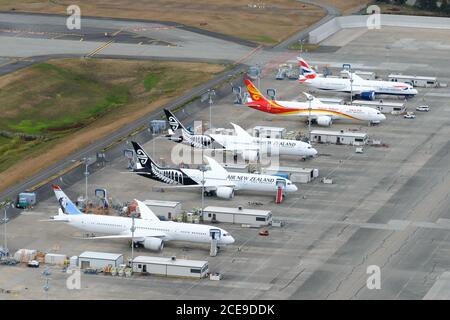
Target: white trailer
170	267
99	260
366	75
339	137
296	175
55	259
383	105
416	81
167	210
269	132
237	215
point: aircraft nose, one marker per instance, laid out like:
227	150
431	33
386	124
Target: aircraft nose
231	240
313	152
294	188
382	117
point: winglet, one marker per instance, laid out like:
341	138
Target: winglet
146	212
240	132
217	168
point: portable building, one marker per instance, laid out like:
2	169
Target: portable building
382	105
99	260
416	81
54	258
237	215
269	132
166	209
296	175
170	267
339	137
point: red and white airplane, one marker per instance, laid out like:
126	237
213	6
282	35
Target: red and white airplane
366	89
323	114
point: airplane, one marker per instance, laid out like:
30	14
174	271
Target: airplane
322	114
150	232
245	144
217	181
366	89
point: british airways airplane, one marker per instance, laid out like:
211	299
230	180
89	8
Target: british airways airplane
150	232
366	89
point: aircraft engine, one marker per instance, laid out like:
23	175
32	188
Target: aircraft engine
225	192
324	121
154	244
250	155
368	95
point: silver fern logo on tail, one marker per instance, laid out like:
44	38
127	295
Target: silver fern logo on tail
173	122
142	157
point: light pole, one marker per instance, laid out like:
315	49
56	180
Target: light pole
203	181
5	205
133	228
309	118
211	94
351	87
86	174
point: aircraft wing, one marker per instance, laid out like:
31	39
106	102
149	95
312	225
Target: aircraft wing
242	147
138	236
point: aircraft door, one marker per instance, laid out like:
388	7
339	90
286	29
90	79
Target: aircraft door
215	234
281	183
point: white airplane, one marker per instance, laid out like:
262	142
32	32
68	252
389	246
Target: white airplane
216	181
248	146
366	89
322	114
149	232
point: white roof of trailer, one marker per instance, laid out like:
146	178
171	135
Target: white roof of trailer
339	133
244	211
379	103
161	203
267	128
169	261
403	76
100	255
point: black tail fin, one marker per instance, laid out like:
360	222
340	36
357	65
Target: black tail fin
143	158
174	123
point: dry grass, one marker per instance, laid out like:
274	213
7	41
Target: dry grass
269	22
347	6
175	78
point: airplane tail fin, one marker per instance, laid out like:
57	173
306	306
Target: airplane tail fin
174	123
254	93
67	206
144	163
307	71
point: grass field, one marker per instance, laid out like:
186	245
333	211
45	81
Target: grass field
266	22
51	109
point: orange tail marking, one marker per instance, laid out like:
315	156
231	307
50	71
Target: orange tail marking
253	91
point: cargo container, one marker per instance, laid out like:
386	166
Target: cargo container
56	259
237	215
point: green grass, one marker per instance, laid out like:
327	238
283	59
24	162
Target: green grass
55	99
151	80
306	47
262	39
49	101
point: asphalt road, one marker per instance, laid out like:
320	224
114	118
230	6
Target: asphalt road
31	38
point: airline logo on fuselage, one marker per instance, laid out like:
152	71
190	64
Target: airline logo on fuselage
253	179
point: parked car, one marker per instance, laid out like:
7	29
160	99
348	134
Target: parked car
423	108
409	116
33	264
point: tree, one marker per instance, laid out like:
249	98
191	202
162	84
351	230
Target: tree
427	5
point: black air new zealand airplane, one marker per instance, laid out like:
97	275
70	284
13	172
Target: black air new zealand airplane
217	180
